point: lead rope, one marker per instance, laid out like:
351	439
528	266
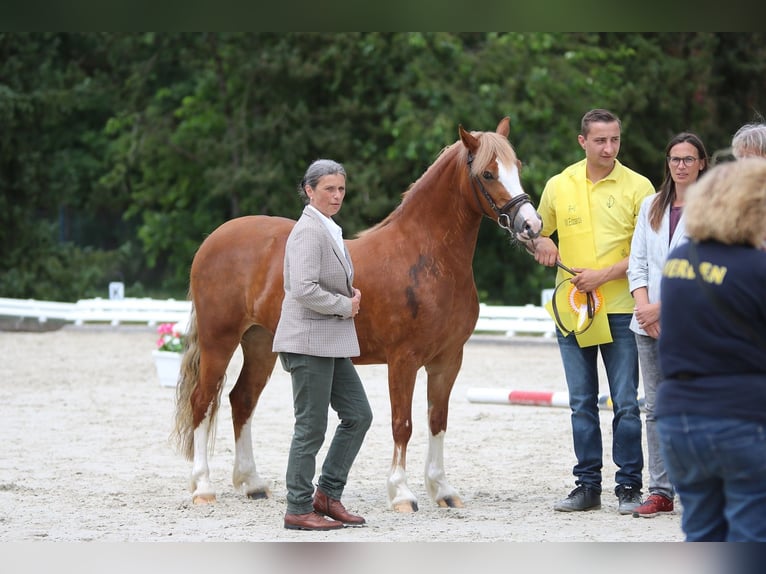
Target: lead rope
590	302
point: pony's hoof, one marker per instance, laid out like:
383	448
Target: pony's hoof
406	506
259	495
204	499
450	502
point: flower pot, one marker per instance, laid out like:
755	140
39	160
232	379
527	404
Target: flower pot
168	367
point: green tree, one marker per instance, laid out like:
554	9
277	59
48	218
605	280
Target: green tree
122	151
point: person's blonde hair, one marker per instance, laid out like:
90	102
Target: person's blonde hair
728	205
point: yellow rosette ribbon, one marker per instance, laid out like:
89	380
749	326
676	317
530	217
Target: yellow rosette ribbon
583	315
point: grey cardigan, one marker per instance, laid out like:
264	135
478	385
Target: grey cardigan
316	311
648	251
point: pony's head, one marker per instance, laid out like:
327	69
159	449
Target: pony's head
494	172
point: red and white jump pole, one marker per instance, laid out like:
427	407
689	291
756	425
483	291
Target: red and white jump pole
534	398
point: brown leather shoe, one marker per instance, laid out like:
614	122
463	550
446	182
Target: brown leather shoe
310	521
323	504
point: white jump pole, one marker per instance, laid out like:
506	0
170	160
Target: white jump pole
534	398
501	396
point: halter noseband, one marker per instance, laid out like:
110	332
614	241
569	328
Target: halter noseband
505	214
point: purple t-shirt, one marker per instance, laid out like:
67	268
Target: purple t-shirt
675	215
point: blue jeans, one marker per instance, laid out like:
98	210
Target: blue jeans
718	467
620	359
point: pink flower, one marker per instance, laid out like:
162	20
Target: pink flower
171	338
165	328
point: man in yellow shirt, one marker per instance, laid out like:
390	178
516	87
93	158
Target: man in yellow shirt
593	205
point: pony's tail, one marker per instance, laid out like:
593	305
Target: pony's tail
188	379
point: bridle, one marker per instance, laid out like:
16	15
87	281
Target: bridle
506	214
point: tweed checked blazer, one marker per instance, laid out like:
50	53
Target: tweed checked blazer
316	311
648	251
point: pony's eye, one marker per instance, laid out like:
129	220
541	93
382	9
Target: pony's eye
487	175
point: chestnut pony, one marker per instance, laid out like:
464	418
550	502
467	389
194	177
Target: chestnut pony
420	307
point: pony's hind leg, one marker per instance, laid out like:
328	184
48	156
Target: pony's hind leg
258	363
204	404
199	482
203	369
441	378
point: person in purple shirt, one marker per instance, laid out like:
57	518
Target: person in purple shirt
659	229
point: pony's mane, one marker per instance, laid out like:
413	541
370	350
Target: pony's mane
491	145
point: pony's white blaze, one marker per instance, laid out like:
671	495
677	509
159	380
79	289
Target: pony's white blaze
510	179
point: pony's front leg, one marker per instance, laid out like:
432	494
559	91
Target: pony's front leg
245	477
441	378
400	497
437	486
202	490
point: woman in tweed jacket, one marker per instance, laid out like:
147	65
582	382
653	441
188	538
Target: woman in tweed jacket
315	339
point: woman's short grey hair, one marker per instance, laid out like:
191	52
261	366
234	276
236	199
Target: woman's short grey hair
316	171
749	140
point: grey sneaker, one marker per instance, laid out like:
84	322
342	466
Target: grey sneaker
581	498
629	498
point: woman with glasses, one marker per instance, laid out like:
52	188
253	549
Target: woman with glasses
659	229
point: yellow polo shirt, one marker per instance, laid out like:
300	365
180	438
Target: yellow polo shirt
595	222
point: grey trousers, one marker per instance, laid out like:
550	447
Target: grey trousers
319	383
648	359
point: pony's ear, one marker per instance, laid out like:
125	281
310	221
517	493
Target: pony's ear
504	127
468	140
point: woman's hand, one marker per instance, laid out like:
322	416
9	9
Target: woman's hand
356	302
648	317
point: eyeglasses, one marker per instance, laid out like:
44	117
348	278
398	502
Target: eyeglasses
688	160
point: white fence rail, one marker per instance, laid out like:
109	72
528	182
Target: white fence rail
513	321
24	313
130	310
30	314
